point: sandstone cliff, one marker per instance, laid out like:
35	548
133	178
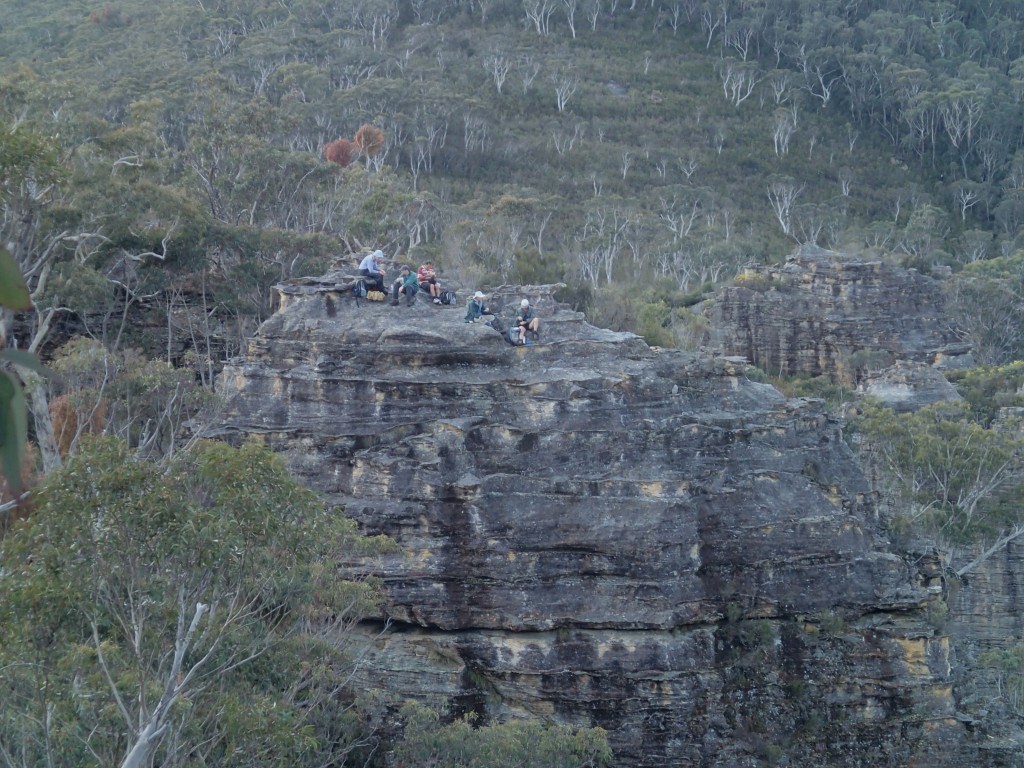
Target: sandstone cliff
600	533
824	313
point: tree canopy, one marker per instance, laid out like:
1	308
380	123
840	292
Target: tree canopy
159	612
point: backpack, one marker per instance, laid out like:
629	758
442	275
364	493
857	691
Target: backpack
359	290
512	337
448	297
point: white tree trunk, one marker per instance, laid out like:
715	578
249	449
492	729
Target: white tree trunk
39	407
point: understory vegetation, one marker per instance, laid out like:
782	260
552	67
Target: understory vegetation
185	154
952	472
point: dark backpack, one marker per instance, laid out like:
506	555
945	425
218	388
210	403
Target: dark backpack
359	289
448	297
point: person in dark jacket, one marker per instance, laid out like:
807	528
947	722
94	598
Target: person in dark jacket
527	320
476	309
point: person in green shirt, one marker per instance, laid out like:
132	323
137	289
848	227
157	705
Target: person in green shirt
406	283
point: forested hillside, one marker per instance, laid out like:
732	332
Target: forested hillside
657	144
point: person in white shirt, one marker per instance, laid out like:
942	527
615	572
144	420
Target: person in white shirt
371	267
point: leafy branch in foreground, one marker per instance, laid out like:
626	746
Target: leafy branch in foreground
13	411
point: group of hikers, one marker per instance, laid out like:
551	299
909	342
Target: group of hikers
526	318
408	284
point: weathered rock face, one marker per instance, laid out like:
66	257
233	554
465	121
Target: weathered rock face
907	386
827	314
600	533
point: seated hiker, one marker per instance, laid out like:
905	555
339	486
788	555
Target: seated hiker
406	283
527	320
427	279
370	267
476	309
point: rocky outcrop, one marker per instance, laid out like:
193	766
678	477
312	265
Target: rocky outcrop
600	533
824	313
907	386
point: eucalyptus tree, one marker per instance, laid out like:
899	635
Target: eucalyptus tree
84	222
782	195
985	301
179	614
973	245
603	237
497	65
952	477
962	105
538	14
225	125
566	82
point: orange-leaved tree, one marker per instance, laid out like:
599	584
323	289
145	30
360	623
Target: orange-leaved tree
369	140
340	151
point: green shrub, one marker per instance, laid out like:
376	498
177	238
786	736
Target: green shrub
984	302
531	267
952	476
503	745
653	319
835	394
1006	666
755	281
988	388
207	580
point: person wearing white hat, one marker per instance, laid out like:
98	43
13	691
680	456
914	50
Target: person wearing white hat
476	308
527	320
371	267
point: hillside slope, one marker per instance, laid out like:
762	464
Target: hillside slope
593	142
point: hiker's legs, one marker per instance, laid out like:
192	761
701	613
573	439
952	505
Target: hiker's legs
378	281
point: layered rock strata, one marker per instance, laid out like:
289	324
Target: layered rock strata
599	533
824	313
